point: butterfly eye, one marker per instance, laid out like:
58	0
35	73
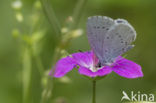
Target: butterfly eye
99	65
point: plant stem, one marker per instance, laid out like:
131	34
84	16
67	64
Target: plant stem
39	64
94	92
50	14
78	11
27	75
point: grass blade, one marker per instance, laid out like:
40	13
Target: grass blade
50	14
78	11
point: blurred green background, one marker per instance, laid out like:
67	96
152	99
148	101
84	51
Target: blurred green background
28	42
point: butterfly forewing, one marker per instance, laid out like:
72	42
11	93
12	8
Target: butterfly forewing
97	28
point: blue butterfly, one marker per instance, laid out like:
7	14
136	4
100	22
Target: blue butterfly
109	38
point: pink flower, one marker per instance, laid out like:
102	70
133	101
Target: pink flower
88	66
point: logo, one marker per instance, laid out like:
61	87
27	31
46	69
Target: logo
137	97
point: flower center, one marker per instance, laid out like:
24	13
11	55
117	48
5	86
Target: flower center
95	68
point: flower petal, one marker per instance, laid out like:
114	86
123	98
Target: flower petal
104	71
63	66
84	59
127	68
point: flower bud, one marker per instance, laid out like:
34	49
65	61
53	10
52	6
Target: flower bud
17	4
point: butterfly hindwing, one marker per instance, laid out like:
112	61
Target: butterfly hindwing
119	39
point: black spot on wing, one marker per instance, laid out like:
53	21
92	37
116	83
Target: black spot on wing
107	29
108	37
119	21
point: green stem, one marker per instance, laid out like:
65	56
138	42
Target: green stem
78	11
47	92
27	75
94	92
50	14
39	64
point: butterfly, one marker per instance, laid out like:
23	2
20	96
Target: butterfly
109	38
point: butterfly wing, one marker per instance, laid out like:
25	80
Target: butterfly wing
118	40
109	38
97	28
